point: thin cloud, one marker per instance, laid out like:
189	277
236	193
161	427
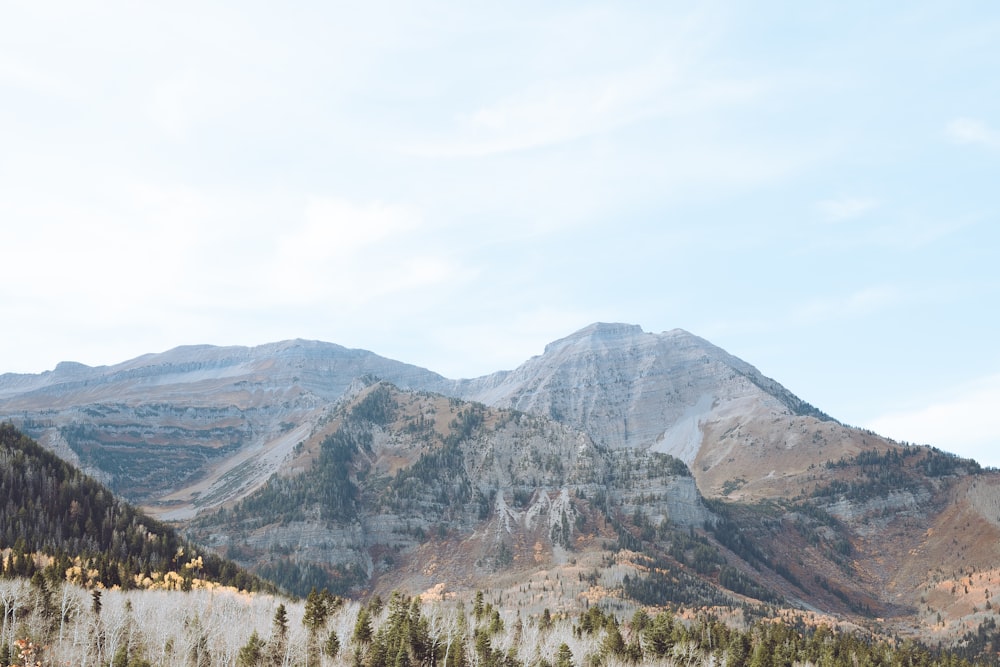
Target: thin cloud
351	253
20	75
857	304
973	131
845	208
171	105
561	111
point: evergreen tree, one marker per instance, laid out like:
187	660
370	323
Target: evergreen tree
332	645
564	658
278	645
252	653
660	636
363	627
315	614
613	643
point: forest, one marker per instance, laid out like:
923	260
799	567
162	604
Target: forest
60	624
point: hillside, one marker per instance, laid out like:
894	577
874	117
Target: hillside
57	521
618	466
394	476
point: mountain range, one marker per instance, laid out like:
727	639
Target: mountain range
618	466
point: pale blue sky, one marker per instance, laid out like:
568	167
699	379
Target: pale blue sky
457	184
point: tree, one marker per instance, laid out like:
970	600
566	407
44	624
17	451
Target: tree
43	601
477	606
251	654
316	612
280	623
279	636
564	658
640	620
659	634
738	650
363	628
332	645
314	619
613	643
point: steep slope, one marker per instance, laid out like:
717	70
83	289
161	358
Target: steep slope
194	426
626	385
673	393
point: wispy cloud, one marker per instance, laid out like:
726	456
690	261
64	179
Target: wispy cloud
973	131
966	422
588	71
19	74
353	252
845	208
566	110
856	304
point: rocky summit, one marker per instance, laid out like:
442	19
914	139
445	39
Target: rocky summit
618	466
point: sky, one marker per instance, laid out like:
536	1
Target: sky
456	184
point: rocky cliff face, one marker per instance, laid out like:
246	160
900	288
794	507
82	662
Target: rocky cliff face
398	470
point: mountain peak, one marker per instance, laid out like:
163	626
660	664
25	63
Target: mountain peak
598	332
608	329
68	367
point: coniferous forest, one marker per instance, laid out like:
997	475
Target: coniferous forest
55	519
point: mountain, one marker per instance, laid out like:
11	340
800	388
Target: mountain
195	426
421	488
672	392
618	466
221	420
631	388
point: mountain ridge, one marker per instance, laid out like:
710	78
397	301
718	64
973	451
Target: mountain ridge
672	392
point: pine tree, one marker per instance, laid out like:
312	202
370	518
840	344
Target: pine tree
279	636
477	606
280	624
363	627
332	645
613	643
315	614
564	658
